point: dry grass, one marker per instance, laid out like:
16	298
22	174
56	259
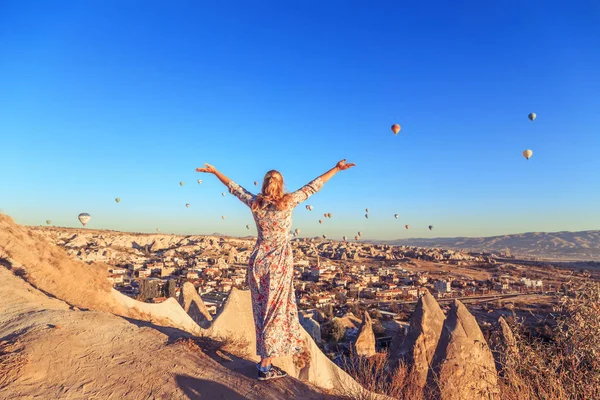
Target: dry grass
376	377
567	364
11	362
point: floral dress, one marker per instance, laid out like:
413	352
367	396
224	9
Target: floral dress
270	275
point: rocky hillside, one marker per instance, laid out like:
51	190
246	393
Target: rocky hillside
66	334
583	245
97	327
50	350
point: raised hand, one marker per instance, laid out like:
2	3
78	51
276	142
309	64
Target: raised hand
342	165
210	169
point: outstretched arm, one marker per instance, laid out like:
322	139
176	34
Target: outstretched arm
245	196
340	166
313	187
210	169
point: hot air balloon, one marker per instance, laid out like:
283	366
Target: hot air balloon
527	154
325	215
532	117
407	226
430	227
396	128
157	229
297	231
320	221
367	216
356	237
255	183
366	210
48	222
396	216
345	238
187	205
223	194
310	208
118	200
359	233
222	217
247	226
180	183
199	181
84	218
324	236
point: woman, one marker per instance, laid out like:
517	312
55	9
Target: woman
271	265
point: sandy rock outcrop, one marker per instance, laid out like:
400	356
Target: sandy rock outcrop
312	327
507	337
191	302
419	345
48	267
504	345
463	365
235	321
52	351
365	342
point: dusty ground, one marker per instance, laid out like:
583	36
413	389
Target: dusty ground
49	350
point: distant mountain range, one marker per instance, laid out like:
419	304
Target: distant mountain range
583	245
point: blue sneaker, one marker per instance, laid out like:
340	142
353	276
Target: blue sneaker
272	373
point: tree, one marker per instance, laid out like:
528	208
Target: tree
340	297
148	289
333	331
328	312
378	328
355	309
170	288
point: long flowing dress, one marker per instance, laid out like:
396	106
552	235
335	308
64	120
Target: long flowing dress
271	272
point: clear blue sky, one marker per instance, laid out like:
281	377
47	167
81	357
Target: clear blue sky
105	99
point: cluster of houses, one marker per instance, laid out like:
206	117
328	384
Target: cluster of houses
325	272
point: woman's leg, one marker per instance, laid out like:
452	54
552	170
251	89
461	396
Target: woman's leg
265	362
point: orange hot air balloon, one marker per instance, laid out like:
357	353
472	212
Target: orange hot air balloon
527	154
255	183
407	226
320	221
396	128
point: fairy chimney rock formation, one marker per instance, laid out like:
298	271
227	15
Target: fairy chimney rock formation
507	336
365	342
418	347
463	365
192	304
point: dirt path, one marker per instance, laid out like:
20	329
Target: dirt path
50	350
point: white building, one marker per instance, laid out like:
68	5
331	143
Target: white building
442	286
530	283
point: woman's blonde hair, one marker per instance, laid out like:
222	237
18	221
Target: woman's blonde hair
273	192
